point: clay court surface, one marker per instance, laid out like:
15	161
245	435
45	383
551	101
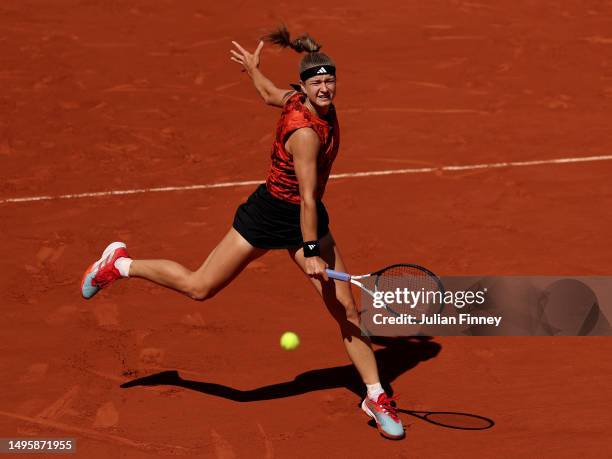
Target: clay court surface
110	95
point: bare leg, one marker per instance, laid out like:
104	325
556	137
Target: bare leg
339	300
223	264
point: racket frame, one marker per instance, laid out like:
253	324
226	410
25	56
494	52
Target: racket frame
345	277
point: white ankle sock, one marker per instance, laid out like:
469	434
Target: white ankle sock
374	390
123	266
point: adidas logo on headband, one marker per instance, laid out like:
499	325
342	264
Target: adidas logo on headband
318	70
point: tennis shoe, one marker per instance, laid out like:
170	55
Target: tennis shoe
103	272
384	413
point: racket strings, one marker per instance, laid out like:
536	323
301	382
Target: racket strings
408	289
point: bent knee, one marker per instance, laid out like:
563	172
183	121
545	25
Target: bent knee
200	292
353	316
350	308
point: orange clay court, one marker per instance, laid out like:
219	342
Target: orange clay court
104	96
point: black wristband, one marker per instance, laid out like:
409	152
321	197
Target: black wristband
311	249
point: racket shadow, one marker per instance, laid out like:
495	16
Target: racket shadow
452	420
396	358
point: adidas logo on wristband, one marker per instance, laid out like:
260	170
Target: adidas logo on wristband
311	249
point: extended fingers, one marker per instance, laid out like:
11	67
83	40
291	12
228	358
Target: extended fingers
240	48
259	47
236	55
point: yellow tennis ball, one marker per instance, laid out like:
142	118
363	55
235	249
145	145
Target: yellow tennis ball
289	341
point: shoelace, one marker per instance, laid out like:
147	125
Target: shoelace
385	401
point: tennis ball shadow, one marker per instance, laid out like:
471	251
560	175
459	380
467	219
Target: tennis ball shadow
398	356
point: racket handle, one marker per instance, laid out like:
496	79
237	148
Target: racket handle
339	275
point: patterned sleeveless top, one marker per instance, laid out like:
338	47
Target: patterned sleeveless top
282	182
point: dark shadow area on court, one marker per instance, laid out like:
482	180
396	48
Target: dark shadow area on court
452	419
398	356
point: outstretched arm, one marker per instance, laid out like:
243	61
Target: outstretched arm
304	145
267	90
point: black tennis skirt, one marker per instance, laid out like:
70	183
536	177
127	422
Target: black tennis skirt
271	223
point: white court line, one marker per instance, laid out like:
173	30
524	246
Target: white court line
421	170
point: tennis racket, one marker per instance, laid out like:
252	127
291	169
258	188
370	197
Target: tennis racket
425	290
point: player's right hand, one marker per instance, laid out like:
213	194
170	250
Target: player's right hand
248	61
315	267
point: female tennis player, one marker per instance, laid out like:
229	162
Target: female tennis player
284	213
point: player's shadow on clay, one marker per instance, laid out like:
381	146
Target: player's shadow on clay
397	357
